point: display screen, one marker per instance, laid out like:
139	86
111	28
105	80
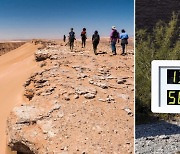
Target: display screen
173	76
173	97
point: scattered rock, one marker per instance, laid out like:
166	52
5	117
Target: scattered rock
41	55
89	96
102	100
27	83
109	99
164	137
123	96
128	110
121	81
82	76
91	81
150	138
67	98
102	85
29	93
76	96
84	90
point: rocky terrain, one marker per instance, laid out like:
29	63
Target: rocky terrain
162	137
8	46
76	102
149	12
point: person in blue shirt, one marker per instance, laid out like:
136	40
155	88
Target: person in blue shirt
124	40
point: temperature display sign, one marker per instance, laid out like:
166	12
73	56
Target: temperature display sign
165	86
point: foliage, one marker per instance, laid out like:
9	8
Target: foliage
162	43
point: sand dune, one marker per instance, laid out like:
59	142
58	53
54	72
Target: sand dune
15	67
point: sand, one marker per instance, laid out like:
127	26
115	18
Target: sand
15	67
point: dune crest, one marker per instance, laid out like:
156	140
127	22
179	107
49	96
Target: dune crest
15	67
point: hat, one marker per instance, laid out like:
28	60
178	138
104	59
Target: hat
113	27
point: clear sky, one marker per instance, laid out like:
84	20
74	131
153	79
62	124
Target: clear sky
26	19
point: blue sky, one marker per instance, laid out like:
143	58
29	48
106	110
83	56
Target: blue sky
26	19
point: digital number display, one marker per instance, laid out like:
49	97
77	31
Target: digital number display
165	86
173	97
173	76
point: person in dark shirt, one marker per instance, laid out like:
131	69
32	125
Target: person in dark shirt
83	37
71	39
95	41
64	38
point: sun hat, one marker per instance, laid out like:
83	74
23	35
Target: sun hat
113	27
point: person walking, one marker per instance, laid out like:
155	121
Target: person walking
64	38
114	37
71	39
124	41
83	37
95	41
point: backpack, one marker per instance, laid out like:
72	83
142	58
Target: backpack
71	35
83	34
124	41
95	38
115	34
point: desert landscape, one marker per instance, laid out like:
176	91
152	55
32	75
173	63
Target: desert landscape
58	101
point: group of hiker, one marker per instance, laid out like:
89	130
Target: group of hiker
115	36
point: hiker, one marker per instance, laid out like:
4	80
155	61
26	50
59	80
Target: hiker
124	41
83	37
95	41
114	37
71	39
64	38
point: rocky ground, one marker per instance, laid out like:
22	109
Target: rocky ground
76	103
159	138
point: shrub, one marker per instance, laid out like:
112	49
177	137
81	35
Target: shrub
161	44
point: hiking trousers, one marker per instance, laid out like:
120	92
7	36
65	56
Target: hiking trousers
113	47
95	44
124	42
71	43
123	47
83	42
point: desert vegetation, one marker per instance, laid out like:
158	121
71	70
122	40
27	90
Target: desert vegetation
162	43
